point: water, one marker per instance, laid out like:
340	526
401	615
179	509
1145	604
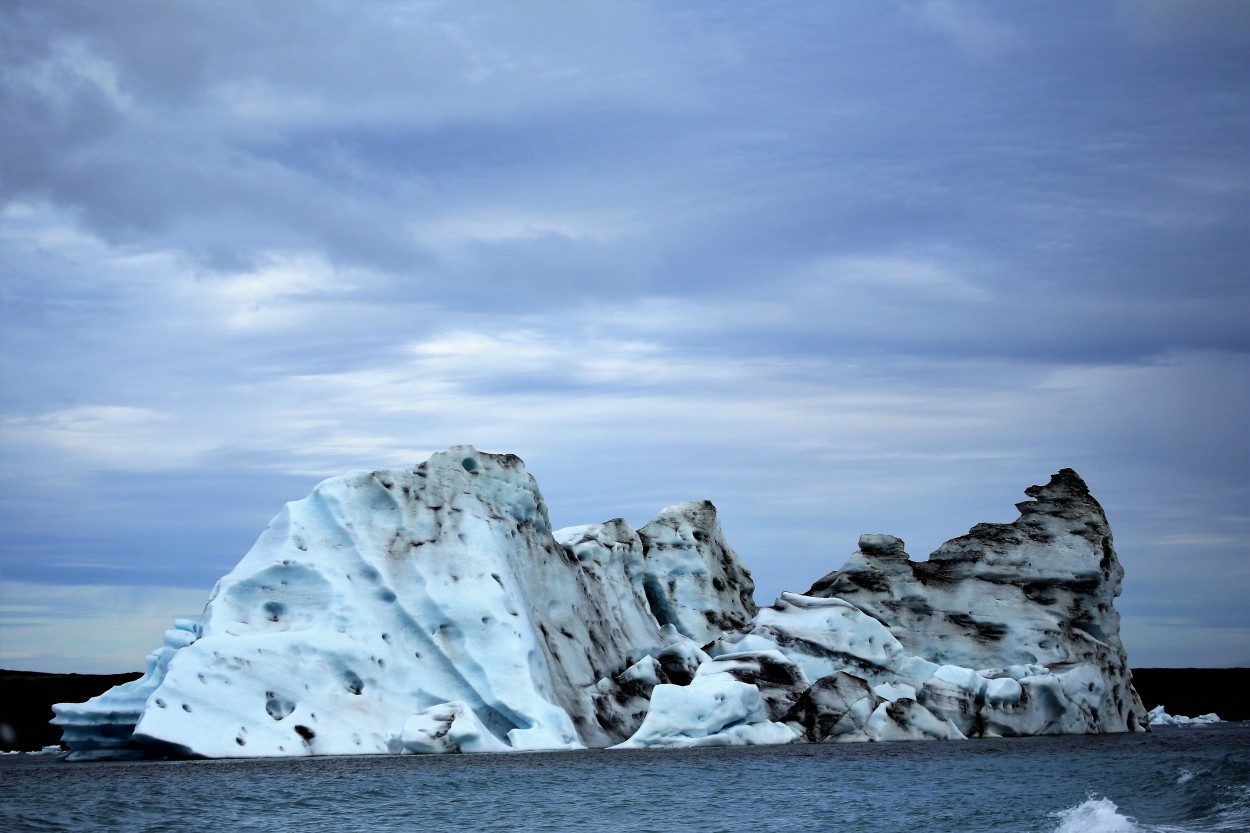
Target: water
1170	781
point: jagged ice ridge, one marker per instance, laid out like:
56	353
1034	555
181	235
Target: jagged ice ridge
433	609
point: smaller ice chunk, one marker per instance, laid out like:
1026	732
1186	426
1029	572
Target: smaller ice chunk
681	657
713	710
779	679
447	727
894	691
1159	717
823	636
908	720
541	738
1003	691
835	707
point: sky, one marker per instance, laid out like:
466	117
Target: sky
838	267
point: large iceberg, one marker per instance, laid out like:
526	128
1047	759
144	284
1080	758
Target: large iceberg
433	609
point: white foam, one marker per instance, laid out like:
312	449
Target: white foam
1101	815
1234	814
1095	815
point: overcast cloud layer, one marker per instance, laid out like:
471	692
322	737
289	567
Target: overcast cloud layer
844	268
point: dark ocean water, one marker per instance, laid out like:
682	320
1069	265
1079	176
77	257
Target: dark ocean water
1174	780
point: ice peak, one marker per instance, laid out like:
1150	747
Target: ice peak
1065	495
882	546
473	461
694	580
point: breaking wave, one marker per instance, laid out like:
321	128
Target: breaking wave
1095	815
1102	815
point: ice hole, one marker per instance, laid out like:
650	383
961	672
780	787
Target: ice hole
278	707
469	464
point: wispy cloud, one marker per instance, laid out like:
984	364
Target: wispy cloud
972	27
838	268
87	629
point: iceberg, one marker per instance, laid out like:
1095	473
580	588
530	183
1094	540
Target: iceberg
1160	717
434	610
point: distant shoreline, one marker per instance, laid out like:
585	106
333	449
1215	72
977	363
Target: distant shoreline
1195	691
29	695
28	699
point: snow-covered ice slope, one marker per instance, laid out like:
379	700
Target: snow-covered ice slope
433	609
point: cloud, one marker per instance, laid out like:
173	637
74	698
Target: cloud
223	135
1160	21
449	236
87	629
109	436
838	268
970	28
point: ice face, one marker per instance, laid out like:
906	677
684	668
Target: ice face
433	610
447	727
831	639
715	709
694	581
1038	591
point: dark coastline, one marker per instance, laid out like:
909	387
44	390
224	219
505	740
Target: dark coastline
27	704
1195	691
29	695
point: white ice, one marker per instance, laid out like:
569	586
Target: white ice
433	610
713	710
1160	717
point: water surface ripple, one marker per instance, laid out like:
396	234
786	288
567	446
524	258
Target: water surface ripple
1169	781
